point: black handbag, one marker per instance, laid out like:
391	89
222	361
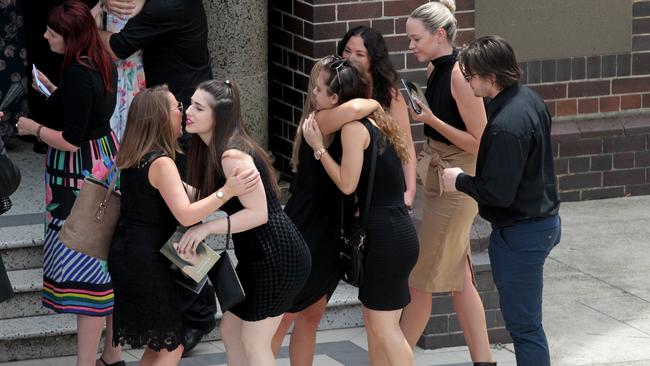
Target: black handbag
9	179
225	280
6	290
353	236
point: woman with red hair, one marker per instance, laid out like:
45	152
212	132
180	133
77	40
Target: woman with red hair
80	143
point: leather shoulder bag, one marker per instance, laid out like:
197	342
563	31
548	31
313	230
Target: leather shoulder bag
90	226
353	240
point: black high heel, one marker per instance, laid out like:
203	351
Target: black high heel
118	363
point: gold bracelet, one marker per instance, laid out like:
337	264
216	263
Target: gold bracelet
38	133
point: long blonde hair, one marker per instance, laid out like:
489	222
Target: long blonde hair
307	109
148	128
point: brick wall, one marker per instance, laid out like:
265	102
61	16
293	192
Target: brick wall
443	328
602	157
598	84
598	87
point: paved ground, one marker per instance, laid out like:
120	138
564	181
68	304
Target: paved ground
596	305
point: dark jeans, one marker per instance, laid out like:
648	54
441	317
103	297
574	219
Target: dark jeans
517	255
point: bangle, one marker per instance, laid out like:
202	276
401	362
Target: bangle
38	133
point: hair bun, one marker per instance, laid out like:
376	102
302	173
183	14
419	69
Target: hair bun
450	4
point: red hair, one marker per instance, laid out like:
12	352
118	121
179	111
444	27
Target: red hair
74	22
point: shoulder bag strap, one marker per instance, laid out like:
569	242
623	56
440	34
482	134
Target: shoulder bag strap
228	233
371	177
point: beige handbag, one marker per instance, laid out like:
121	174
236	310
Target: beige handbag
90	226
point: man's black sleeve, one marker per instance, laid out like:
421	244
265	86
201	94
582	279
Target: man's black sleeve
501	172
147	27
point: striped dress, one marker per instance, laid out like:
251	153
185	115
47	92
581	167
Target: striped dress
74	282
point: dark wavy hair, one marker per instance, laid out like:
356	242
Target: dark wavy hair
383	73
74	22
204	161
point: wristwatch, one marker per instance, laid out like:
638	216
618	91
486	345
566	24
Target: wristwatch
221	195
319	153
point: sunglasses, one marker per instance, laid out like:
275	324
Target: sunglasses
338	63
179	106
467	76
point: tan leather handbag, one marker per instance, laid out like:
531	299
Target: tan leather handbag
90	226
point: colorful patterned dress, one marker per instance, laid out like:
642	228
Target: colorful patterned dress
74	282
130	79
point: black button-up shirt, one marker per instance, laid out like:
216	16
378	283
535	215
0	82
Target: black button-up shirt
515	178
173	37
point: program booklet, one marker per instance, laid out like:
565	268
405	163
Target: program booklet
195	266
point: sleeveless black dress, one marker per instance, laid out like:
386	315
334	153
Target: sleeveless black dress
147	300
273	259
314	207
392	243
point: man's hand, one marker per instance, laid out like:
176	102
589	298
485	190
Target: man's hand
122	8
449	178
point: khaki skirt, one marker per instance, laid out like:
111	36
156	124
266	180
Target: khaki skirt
446	221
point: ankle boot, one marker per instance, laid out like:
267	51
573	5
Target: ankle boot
485	364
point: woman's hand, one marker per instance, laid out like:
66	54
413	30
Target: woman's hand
46	82
121	8
191	239
26	126
239	183
312	134
409	197
427	117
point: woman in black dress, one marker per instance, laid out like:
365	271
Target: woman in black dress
314	210
392	245
147	299
273	259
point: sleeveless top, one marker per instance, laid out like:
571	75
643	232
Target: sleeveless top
388	189
438	94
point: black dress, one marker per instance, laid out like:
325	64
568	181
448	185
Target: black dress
147	299
392	243
314	207
273	259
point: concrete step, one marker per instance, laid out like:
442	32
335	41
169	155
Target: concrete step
54	335
27	285
20	254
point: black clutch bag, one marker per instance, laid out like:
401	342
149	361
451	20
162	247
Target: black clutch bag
225	280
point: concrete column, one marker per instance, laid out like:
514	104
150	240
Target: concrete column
238	42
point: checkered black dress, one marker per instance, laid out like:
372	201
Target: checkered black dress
274	261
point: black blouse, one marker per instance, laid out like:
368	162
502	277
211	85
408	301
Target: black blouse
438	94
80	107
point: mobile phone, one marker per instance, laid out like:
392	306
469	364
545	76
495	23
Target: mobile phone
409	87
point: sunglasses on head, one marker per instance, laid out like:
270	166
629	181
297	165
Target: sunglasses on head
337	63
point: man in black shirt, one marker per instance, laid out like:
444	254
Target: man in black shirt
173	37
515	190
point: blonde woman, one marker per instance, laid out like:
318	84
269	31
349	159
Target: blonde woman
391	245
314	209
453	125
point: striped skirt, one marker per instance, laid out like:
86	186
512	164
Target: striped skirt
74	282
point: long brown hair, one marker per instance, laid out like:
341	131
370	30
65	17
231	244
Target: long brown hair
148	127
307	109
74	22
204	161
355	83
